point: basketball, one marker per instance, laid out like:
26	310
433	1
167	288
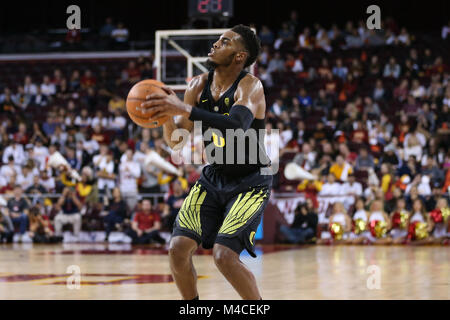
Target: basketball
136	96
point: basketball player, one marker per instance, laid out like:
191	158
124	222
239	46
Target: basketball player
224	207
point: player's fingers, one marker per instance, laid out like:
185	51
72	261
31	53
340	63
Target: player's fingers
155	110
152	103
158	115
168	90
155	96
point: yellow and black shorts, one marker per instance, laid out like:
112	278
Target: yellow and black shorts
225	210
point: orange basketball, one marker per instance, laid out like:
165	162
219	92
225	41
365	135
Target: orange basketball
136	96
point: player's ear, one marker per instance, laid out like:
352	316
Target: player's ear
241	56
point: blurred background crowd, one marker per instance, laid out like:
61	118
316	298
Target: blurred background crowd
366	111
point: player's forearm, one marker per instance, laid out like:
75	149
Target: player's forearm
168	128
176	133
240	117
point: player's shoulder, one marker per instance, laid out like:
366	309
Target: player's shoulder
198	82
252	81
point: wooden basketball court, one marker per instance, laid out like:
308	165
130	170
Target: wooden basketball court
108	271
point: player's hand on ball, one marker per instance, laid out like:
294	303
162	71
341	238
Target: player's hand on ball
165	105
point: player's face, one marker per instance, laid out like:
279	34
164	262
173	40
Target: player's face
227	49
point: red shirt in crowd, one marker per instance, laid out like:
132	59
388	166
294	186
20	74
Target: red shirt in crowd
146	220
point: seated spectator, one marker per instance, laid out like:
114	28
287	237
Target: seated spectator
21	99
379	93
266	36
173	204
75	81
359	135
25	178
129	171
265	77
40	227
8	186
285	34
341	169
36	189
117	122
10	168
264	56
392	69
117	212
352	187
304	99
414	143
73	37
324	70
371	108
47	181
104	164
18	211
132	74
276	63
305	40
404	37
322	41
374	67
340	70
146	225
417	90
446	31
99	134
116	103
88	80
29	87
147	71
401	91
364	161
303	228
298	65
322	101
120	35
107	28
70	212
48	88
83	120
278	107
354	40
330	187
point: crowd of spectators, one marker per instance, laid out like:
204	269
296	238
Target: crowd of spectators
366	111
112	35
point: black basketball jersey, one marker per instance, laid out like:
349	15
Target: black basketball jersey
236	156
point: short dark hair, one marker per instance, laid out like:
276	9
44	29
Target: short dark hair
250	41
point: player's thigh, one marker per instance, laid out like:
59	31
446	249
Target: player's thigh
243	216
200	217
